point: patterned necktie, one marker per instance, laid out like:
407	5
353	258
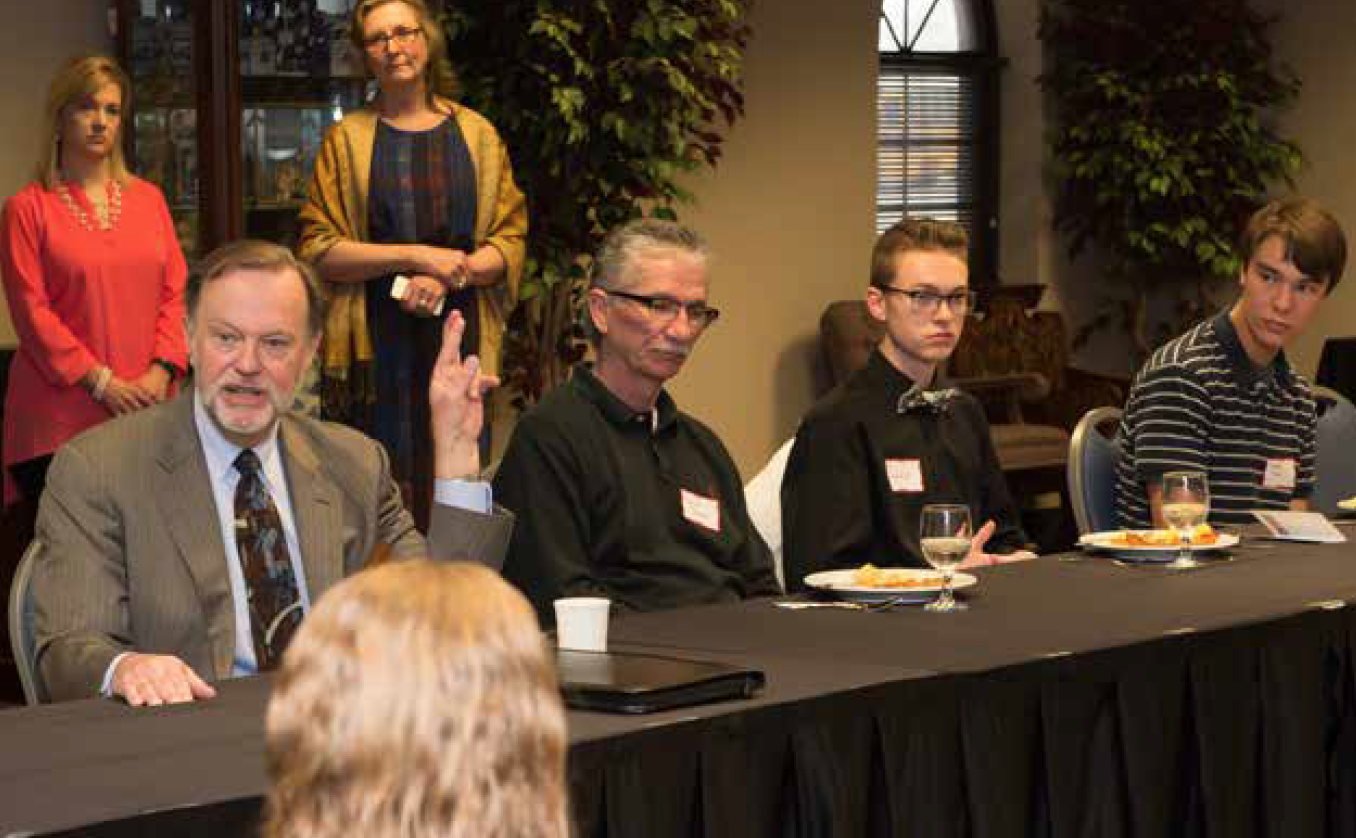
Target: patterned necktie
271	586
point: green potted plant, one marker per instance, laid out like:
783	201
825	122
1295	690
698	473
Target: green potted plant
1162	144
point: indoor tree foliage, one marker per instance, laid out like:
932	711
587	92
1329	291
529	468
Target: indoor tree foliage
605	105
1161	141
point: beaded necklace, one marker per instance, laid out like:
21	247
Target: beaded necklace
103	223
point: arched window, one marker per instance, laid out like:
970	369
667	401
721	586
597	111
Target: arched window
937	120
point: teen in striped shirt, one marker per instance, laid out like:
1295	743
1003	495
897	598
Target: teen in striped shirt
1222	398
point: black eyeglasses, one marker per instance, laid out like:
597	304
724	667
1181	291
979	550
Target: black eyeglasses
401	36
665	309
927	302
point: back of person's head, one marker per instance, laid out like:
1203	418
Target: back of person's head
1314	241
83	75
418	698
257	255
915	234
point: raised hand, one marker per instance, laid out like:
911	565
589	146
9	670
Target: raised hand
456	397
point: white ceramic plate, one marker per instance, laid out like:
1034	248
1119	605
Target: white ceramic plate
1106	542
841	583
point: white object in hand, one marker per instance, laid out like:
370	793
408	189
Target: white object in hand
581	623
401	283
945	552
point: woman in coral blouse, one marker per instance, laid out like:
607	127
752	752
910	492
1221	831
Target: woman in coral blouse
416	186
94	278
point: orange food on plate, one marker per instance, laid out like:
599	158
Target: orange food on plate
870	576
1204	534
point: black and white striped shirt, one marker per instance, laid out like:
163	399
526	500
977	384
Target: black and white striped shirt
1200	404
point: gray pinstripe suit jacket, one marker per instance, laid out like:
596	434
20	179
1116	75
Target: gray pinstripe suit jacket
134	557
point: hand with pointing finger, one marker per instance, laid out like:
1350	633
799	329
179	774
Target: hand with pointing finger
456	396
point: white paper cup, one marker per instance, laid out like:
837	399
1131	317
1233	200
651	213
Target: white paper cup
581	623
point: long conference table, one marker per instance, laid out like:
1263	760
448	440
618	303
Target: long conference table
1076	697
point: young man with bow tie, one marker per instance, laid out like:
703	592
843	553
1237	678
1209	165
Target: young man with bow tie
893	438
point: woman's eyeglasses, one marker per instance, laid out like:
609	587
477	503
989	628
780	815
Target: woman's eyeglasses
401	36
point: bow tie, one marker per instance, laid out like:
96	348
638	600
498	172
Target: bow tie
918	400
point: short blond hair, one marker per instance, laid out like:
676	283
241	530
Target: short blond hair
83	75
418	698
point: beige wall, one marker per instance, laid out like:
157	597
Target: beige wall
791	209
1316	41
790	213
30	50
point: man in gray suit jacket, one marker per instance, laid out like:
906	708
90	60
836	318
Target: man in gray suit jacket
140	592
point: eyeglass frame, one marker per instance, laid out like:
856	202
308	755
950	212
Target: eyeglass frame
703	318
401	36
923	301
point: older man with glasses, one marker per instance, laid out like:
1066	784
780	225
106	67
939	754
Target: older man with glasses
618	493
893	437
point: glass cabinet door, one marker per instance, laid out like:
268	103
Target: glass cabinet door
297	79
290	75
163	142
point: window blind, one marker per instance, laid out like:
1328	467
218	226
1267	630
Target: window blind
928	151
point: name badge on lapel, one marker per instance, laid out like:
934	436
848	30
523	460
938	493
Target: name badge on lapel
701	510
1280	474
905	476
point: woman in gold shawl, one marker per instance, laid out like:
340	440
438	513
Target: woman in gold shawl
417	192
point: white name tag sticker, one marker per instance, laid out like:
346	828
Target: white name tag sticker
904	475
701	510
1280	474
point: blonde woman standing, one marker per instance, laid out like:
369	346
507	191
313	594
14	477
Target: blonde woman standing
93	275
418	698
415	186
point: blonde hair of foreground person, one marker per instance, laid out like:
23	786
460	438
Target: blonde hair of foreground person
417	699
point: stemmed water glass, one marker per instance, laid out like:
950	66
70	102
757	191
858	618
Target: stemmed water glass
1185	504
944	534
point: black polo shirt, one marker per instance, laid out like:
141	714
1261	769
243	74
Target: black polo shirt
1201	404
861	471
644	508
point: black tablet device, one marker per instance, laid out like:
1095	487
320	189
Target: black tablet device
620	682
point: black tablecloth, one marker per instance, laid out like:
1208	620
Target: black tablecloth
1074	698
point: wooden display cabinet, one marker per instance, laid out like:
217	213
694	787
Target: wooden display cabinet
231	99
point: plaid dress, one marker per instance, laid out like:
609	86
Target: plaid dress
423	191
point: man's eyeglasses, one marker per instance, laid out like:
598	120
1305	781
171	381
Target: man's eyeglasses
665	309
927	302
401	36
